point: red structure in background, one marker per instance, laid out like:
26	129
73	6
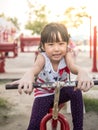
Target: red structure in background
5	36
94	68
28	42
4	48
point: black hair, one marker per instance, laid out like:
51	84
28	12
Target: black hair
50	33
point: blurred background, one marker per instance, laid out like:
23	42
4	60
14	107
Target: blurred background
26	18
29	17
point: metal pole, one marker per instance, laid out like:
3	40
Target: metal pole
94	68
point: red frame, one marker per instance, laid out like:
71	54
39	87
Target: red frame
64	125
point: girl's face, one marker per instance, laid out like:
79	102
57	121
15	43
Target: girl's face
56	50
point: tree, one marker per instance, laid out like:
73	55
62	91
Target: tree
14	21
37	18
74	16
2	15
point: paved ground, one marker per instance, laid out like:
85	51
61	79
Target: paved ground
15	67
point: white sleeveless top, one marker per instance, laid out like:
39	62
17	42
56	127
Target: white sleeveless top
48	74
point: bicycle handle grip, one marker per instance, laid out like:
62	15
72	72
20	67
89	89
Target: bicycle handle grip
39	85
9	86
35	85
95	82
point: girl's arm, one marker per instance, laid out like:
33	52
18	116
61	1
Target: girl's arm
84	80
71	64
29	77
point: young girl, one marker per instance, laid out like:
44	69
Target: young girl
53	64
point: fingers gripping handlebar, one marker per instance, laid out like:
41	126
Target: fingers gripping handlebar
49	84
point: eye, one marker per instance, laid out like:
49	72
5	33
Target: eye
62	43
50	44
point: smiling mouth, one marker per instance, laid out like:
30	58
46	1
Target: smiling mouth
56	55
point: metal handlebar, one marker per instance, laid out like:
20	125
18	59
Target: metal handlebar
49	84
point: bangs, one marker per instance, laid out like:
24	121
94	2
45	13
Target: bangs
52	37
54	34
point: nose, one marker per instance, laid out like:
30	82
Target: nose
56	47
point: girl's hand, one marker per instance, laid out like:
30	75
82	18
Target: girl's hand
24	84
84	81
